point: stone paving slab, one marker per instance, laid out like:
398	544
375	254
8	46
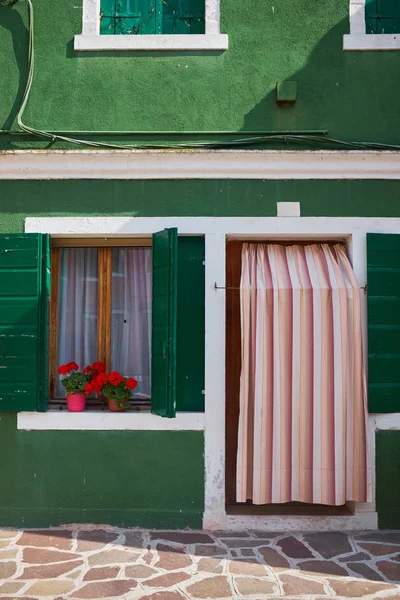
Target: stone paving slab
88	562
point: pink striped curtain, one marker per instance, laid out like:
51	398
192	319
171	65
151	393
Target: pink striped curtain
303	418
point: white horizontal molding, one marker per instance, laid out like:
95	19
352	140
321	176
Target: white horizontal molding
198	164
108	421
380	41
108	43
389	421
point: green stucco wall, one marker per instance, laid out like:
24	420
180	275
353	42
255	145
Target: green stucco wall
388	479
300	40
253	198
125	478
153	478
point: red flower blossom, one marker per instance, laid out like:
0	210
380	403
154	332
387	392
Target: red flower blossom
99	367
64	369
115	378
73	366
89	388
87	370
98	382
131	383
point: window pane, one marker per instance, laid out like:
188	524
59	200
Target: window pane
77	307
131	316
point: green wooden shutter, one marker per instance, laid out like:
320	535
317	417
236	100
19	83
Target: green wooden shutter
127	17
183	16
382	16
388	19
370	16
165	281
383	269
24	297
190	328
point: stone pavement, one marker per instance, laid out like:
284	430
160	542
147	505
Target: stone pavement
105	562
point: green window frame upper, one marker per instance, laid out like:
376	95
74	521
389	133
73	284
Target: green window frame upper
151	17
161	25
178	322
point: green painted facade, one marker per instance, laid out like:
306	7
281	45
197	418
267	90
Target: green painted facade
126	478
152	478
299	40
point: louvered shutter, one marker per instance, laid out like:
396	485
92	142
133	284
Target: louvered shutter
183	16
382	16
383	269
164	327
127	17
24	300
190	326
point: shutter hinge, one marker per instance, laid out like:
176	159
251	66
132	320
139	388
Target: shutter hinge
365	288
203	392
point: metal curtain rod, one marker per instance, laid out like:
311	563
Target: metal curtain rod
221	287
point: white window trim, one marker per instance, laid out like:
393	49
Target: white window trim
359	40
90	39
216	230
108	421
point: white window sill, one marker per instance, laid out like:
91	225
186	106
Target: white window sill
151	42
371	42
108	421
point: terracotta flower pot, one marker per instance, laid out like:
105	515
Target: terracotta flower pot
113	405
76	402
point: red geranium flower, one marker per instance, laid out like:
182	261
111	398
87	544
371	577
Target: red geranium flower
115	378
73	366
87	370
89	388
98	382
131	383
99	367
64	369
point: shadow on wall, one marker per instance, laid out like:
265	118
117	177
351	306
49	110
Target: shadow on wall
11	22
337	91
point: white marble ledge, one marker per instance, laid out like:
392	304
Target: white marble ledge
108	421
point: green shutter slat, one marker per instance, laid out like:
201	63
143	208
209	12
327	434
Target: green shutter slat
183	16
383	271
164	316
127	17
190	327
23	319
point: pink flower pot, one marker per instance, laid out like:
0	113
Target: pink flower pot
76	402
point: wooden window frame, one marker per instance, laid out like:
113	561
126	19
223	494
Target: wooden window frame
105	247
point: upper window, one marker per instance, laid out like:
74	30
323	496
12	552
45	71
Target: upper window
374	25
141	17
151	25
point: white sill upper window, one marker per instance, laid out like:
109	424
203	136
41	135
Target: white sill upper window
90	39
358	39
